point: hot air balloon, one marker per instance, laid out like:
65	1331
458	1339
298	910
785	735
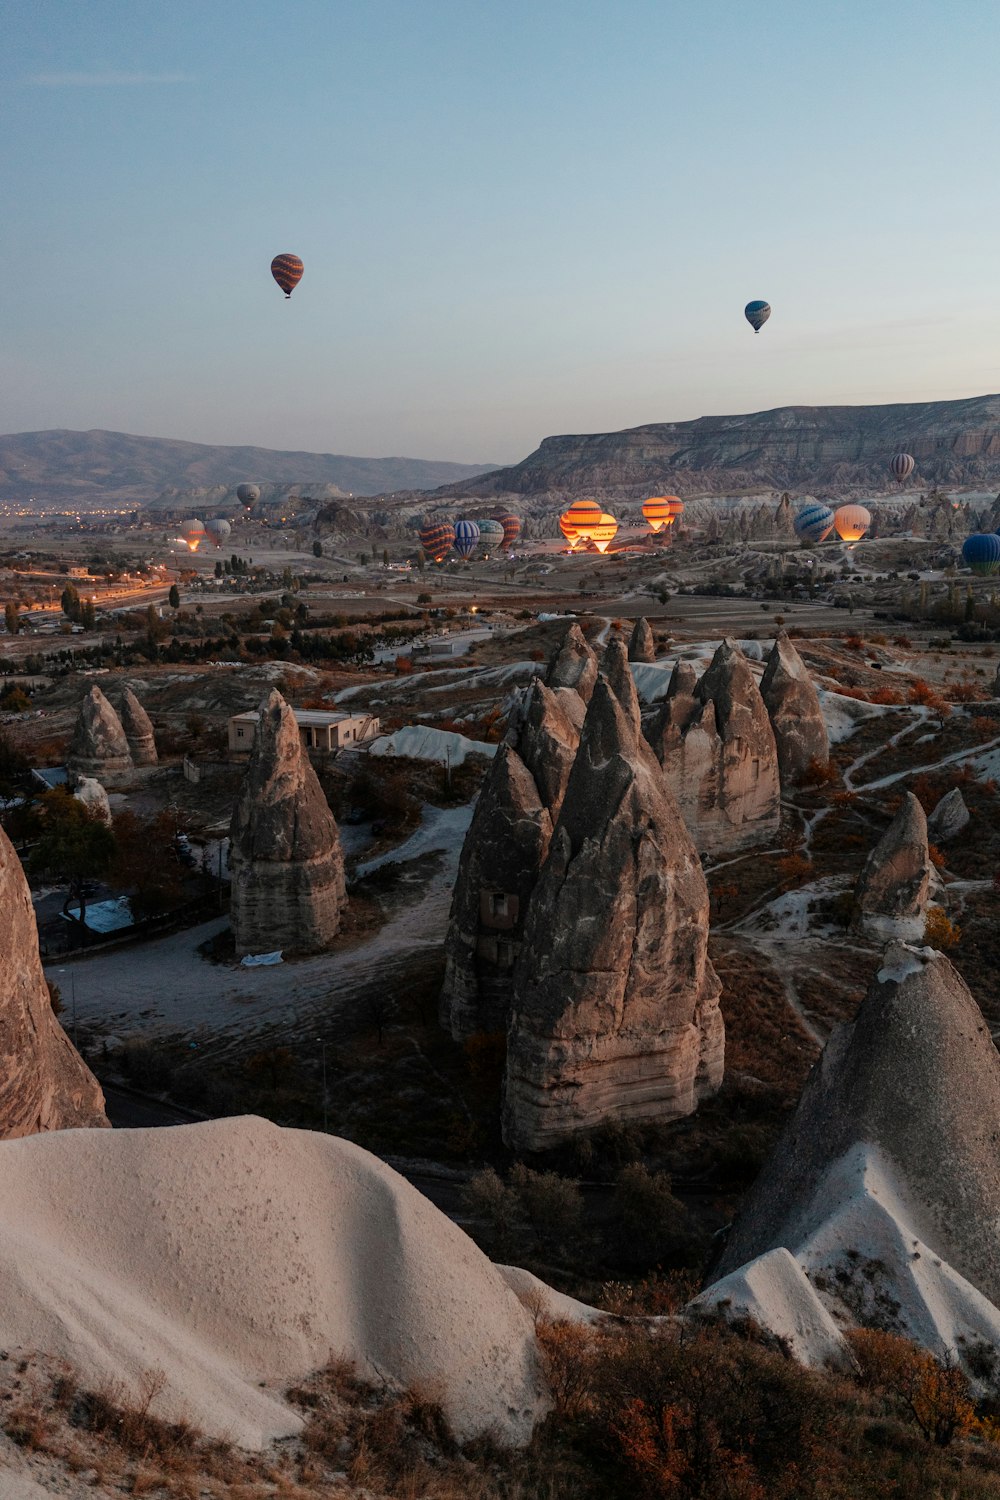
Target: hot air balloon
466	538
676	509
567	528
981	552
511	527
287	272
656	512
218	530
851	522
436	538
583	516
757	314
604	533
248	495
901	466
491	534
813	523
193	533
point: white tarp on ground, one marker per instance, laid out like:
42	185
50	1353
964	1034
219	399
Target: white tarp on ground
421	742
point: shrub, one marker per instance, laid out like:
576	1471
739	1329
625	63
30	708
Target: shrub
935	1395
939	931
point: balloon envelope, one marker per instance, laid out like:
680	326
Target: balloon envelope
583	515
657	513
287	272
193	533
851	521
981	552
902	466
248	494
511	527
218	530
466	538
490	532
436	538
757	314
567	528
604	532
813	523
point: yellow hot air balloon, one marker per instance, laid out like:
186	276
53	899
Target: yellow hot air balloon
604	533
567	528
851	522
656	512
583	516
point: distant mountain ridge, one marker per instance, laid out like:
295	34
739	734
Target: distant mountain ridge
819	449
81	467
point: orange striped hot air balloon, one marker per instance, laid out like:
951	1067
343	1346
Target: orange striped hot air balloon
567	528
604	533
287	272
676	508
583	515
656	512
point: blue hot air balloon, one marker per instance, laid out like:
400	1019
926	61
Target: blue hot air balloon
757	314
813	523
981	552
466	538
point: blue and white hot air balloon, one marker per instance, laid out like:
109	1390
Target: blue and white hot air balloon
757	314
466	538
813	523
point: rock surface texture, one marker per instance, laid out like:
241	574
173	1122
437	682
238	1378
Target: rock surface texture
885	1184
287	866
793	708
615	1011
94	798
44	1084
503	852
574	665
98	746
949	818
138	729
715	743
891	893
641	646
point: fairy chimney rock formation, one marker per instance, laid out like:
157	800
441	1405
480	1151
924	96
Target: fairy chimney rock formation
94	798
949	817
574	665
98	746
893	1145
793	707
138	730
641	646
715	743
891	893
503	853
44	1083
618	675
287	866
615	1008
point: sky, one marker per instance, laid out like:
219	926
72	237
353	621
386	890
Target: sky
517	217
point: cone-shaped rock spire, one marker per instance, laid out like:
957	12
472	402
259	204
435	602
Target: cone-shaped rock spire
138	730
891	893
574	665
44	1083
793	707
287	867
615	1010
98	745
641	646
503	852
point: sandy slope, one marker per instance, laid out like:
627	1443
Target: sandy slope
236	1257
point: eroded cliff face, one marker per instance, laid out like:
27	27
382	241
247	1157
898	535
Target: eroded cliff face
715	743
288	888
794	447
615	1007
98	747
44	1083
503	852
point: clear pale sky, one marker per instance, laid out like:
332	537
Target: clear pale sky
517	218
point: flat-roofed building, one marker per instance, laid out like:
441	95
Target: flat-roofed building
323	731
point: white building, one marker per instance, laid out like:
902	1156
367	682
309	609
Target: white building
323	731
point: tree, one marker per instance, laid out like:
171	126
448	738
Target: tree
317	549
218	567
75	846
12	619
174	597
88	614
70	602
385	557
146	864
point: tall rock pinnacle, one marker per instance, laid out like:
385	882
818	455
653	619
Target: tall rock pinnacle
138	730
44	1083
503	852
98	746
574	665
641	646
892	890
615	1009
287	866
793	707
